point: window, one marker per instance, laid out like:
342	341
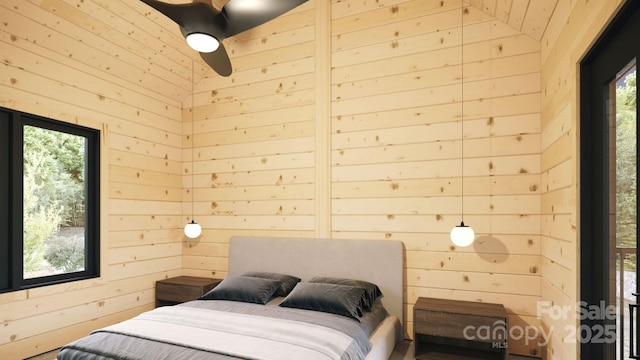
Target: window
49	201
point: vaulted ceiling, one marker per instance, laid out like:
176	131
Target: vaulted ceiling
155	45
529	16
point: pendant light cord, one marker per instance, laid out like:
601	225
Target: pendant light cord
462	111
192	137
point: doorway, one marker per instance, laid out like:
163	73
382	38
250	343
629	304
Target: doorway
608	190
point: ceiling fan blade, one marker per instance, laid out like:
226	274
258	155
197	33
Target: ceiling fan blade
236	16
243	15
175	12
218	60
184	14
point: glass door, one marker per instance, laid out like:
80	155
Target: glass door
622	114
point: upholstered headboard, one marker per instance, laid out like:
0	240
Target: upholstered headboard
376	261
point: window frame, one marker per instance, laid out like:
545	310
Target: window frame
11	200
611	52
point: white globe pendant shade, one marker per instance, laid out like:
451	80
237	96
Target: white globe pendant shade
192	230
462	235
203	43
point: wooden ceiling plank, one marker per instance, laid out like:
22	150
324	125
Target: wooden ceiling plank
517	13
489	6
475	3
538	17
503	8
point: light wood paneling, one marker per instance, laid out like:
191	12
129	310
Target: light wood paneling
532	17
573	27
396	145
341	118
254	151
101	64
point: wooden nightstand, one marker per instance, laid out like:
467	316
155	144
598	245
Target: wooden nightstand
182	288
452	329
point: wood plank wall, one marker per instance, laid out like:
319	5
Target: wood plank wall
352	134
574	27
101	64
394	145
253	168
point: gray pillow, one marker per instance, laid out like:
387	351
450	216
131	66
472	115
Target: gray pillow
331	298
243	288
372	291
287	282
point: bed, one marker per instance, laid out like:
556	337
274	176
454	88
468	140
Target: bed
258	312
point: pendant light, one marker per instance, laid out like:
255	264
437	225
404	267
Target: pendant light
462	235
192	230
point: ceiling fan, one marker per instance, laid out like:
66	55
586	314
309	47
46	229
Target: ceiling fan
204	26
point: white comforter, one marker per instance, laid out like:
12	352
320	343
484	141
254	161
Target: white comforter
230	335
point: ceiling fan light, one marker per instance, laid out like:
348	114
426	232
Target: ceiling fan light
462	235
248	6
203	43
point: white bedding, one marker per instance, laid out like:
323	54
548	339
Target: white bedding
227	333
225	330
